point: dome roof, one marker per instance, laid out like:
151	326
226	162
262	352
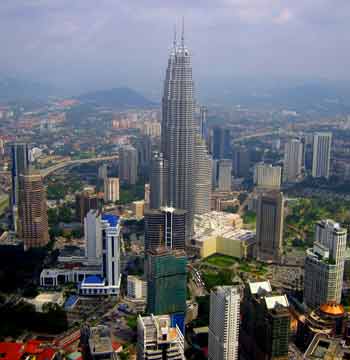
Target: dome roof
332	309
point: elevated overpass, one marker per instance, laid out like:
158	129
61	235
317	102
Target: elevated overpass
50	170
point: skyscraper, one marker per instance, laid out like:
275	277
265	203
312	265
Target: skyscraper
144	153
293	160
86	201
158	181
166	281
128	165
224	323
178	132
265	323
203	177
241	161
203	130
32	211
165	227
324	265
93	236
20	165
221	143
269	225
224	175
321	155
111	190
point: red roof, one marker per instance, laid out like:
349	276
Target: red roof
46	354
10	351
33	347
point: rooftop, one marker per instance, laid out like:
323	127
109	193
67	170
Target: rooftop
260	288
112	219
100	340
94	279
272	302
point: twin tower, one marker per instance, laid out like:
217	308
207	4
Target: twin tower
181	173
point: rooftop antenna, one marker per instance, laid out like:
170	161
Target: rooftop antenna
183	32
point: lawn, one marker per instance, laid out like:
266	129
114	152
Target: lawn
221	260
4	202
213	278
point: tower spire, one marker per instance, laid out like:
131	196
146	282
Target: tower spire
183	32
175	37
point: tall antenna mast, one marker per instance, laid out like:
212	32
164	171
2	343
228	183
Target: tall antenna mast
183	32
175	36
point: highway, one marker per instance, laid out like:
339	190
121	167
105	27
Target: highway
48	171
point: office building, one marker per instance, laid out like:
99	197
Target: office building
324	265
158	338
214	173
111	190
224	175
147	196
85	201
321	155
269	226
241	161
165	227
293	160
224	323
143	146
267	176
203	165
178	132
221	143
93	236
107	283
128	165
98	343
265	323
20	165
166	281
158	181
32	211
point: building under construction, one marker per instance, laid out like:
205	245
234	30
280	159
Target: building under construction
166	281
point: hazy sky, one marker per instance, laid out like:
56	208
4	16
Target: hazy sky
87	44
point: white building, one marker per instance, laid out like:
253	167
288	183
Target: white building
224	323
158	339
111	190
267	176
136	287
93	236
324	265
224	175
293	160
321	155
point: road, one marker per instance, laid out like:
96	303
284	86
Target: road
48	171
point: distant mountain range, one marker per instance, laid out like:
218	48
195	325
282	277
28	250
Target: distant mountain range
117	98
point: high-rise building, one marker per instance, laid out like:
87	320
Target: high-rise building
269	225
178	132
224	323
224	175
147	196
267	176
20	165
166	281
158	338
241	161
144	153
128	165
203	128
138	208
321	155
221	143
165	227
158	181
93	236
203	165
111	190
265	323
109	282
324	265
86	201
103	171
293	160
32	211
